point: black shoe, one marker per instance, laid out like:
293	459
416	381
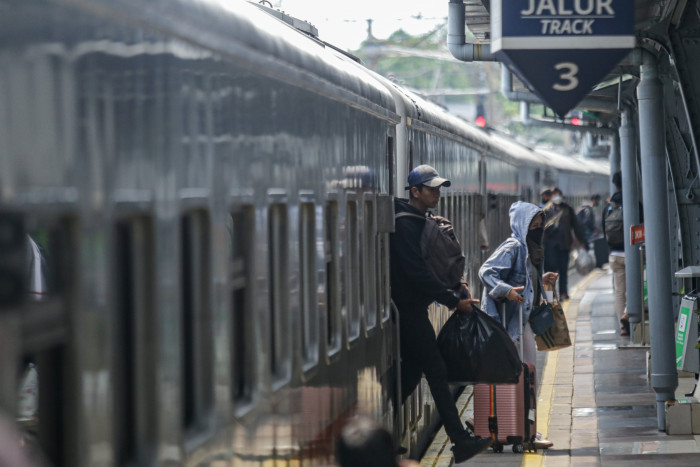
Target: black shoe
401	450
469	447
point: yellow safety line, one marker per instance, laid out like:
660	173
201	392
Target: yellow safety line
549	378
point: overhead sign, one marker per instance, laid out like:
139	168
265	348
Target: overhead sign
561	48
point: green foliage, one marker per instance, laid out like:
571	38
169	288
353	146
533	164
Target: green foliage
424	64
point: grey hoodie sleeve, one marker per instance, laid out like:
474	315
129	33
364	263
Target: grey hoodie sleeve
496	270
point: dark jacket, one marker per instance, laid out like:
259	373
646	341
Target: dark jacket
566	224
413	285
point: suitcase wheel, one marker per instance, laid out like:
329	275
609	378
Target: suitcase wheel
518	448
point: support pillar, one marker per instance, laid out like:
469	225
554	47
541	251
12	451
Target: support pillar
614	160
630	201
664	378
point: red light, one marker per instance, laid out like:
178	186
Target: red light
481	121
575	121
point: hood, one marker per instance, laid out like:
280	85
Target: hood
401	205
521	214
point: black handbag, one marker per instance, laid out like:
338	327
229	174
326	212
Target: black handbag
542	315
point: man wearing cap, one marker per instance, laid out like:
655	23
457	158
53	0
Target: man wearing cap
413	288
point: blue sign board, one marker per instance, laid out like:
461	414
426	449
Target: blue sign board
561	48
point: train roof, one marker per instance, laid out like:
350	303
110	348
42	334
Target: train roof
521	155
264	33
576	163
432	117
234	30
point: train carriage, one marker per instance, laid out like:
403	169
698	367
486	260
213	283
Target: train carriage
212	192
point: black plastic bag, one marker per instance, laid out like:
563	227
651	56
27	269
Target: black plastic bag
477	349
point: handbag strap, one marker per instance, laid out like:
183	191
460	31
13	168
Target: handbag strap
539	280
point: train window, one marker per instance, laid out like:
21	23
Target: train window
461	222
307	260
331	260
384	292
278	267
135	351
242	229
369	271
46	405
196	326
390	167
353	291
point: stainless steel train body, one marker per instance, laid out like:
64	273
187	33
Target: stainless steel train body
212	191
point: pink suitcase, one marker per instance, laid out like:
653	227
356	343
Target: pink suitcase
508	412
515	410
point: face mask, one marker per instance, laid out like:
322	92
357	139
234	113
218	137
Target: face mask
557	199
534	245
535	235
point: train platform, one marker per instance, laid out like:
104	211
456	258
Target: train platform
595	401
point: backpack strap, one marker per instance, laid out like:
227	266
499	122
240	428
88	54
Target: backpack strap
409	214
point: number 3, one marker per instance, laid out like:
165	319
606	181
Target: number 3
569	75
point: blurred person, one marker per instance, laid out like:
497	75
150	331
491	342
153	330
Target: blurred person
613	229
483	233
413	288
561	226
364	443
545	197
587	216
512	276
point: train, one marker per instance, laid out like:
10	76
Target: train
211	191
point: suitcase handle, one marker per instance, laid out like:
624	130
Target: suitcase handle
520	321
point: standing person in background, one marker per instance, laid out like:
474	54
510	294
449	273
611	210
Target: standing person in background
413	288
512	276
587	215
483	233
545	197
560	228
613	229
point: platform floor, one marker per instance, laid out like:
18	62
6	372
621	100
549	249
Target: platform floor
594	398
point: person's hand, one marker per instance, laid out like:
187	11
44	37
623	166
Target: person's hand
465	305
550	278
514	296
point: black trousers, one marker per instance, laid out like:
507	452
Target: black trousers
557	260
420	355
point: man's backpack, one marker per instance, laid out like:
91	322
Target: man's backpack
440	249
585	217
614	227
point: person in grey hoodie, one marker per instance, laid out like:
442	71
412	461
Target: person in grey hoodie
509	273
510	276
